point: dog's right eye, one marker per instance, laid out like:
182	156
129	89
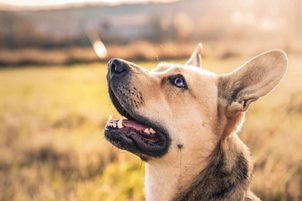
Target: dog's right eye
178	81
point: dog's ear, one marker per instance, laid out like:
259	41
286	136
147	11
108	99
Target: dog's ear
195	59
252	80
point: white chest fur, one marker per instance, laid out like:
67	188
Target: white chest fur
164	181
160	184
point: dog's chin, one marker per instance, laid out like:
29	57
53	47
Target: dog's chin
136	134
137	142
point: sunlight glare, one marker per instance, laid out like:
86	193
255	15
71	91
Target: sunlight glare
100	49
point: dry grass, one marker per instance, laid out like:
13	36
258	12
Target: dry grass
52	145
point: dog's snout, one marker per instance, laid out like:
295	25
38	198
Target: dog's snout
118	67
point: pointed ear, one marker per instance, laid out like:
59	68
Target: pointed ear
195	59
254	79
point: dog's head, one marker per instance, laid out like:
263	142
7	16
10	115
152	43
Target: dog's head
184	107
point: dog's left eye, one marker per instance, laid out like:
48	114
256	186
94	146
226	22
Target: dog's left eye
178	81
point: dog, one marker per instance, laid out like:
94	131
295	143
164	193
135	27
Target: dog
183	121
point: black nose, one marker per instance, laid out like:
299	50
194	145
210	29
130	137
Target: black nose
118	67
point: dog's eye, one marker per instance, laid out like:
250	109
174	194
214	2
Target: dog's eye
178	81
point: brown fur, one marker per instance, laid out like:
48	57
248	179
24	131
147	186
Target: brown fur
205	160
226	177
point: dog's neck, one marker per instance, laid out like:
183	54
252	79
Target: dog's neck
164	180
224	177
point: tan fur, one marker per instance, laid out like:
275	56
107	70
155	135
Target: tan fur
208	114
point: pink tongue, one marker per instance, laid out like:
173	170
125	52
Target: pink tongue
131	124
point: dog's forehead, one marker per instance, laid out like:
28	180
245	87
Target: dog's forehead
168	68
163	68
192	71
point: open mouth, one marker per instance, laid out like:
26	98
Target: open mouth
135	134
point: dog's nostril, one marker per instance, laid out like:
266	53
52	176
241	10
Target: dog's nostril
117	67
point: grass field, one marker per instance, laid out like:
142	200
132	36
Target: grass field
52	144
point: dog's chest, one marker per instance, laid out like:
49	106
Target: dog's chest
159	185
164	182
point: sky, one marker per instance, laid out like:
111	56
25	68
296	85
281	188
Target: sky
63	2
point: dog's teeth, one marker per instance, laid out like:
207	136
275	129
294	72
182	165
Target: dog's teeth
114	125
152	131
147	131
120	123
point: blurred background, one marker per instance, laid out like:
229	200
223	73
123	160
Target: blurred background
53	92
